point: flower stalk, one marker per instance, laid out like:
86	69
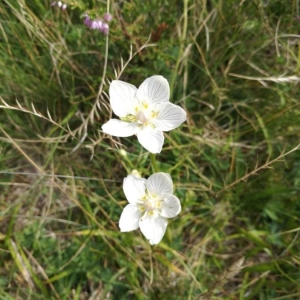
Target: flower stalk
154	163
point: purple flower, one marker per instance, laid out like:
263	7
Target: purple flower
105	28
96	24
87	22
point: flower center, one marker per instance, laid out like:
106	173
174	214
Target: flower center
151	204
141	117
143	114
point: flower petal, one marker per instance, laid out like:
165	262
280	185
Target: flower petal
160	184
130	217
153	228
170	116
151	139
122	97
171	207
154	89
134	188
120	128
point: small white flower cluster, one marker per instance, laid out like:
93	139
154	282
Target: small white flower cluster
146	112
61	5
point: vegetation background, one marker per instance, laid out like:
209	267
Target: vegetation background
234	66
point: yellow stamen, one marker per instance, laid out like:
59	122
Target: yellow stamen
145	105
129	118
154	114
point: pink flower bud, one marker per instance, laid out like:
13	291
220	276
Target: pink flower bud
107	17
87	22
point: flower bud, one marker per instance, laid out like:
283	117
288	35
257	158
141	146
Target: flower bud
123	152
136	173
107	17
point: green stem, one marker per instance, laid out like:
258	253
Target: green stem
181	47
154	163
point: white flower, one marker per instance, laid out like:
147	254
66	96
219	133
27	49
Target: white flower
151	202
145	111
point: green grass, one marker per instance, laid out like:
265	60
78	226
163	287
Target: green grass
233	65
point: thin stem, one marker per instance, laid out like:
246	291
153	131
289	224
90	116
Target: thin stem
182	39
154	163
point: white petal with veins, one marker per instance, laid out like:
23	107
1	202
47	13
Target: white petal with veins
129	219
120	128
154	89
122	97
171	207
170	116
151	139
153	228
160	184
134	188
